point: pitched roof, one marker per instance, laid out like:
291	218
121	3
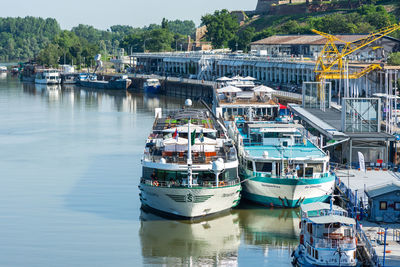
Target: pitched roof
306	39
382	189
333	219
319	206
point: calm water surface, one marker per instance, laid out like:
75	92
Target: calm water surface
69	171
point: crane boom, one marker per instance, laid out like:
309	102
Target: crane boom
330	62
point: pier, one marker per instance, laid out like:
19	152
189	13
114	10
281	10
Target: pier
288	72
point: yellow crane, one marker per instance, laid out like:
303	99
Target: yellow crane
330	63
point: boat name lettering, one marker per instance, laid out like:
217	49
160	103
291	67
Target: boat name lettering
269	185
228	195
313	186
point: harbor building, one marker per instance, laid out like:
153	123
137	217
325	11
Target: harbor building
345	130
311	45
384	202
283	72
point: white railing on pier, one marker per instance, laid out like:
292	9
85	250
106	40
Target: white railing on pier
396	235
362	237
352	208
288	94
219	56
173	79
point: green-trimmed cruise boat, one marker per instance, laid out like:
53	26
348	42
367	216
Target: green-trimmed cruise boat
279	165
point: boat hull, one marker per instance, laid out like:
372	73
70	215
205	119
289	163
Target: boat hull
189	202
105	85
287	193
47	81
152	89
329	256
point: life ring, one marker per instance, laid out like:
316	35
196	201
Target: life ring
222	183
155	183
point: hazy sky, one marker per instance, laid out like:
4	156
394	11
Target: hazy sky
105	13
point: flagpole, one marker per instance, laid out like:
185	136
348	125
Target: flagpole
189	158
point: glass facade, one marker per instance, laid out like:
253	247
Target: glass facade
361	115
317	95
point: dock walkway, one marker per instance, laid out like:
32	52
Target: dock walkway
375	234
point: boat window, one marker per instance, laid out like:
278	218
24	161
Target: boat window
347	232
316	254
383	205
264	166
318	167
250	165
229	174
309	172
205	176
397	205
240	111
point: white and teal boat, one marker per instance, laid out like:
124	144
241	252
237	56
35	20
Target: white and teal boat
279	165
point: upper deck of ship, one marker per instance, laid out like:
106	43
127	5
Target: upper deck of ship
272	140
170	136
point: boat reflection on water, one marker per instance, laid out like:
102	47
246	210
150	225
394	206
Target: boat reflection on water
264	227
103	100
3	75
213	241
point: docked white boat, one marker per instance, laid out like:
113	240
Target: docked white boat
48	76
190	166
327	237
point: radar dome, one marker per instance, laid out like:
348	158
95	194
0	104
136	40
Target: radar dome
188	102
218	165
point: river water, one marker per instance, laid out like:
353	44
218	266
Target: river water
69	174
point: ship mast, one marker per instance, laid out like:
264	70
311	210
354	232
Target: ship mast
188	103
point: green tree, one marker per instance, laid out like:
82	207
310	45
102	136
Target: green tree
242	40
221	27
185	27
159	40
394	59
49	55
164	24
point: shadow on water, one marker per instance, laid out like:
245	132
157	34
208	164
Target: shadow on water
216	240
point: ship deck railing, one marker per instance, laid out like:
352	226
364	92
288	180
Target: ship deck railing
184	184
293	176
197	157
345	243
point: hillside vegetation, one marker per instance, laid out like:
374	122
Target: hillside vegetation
44	41
363	19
